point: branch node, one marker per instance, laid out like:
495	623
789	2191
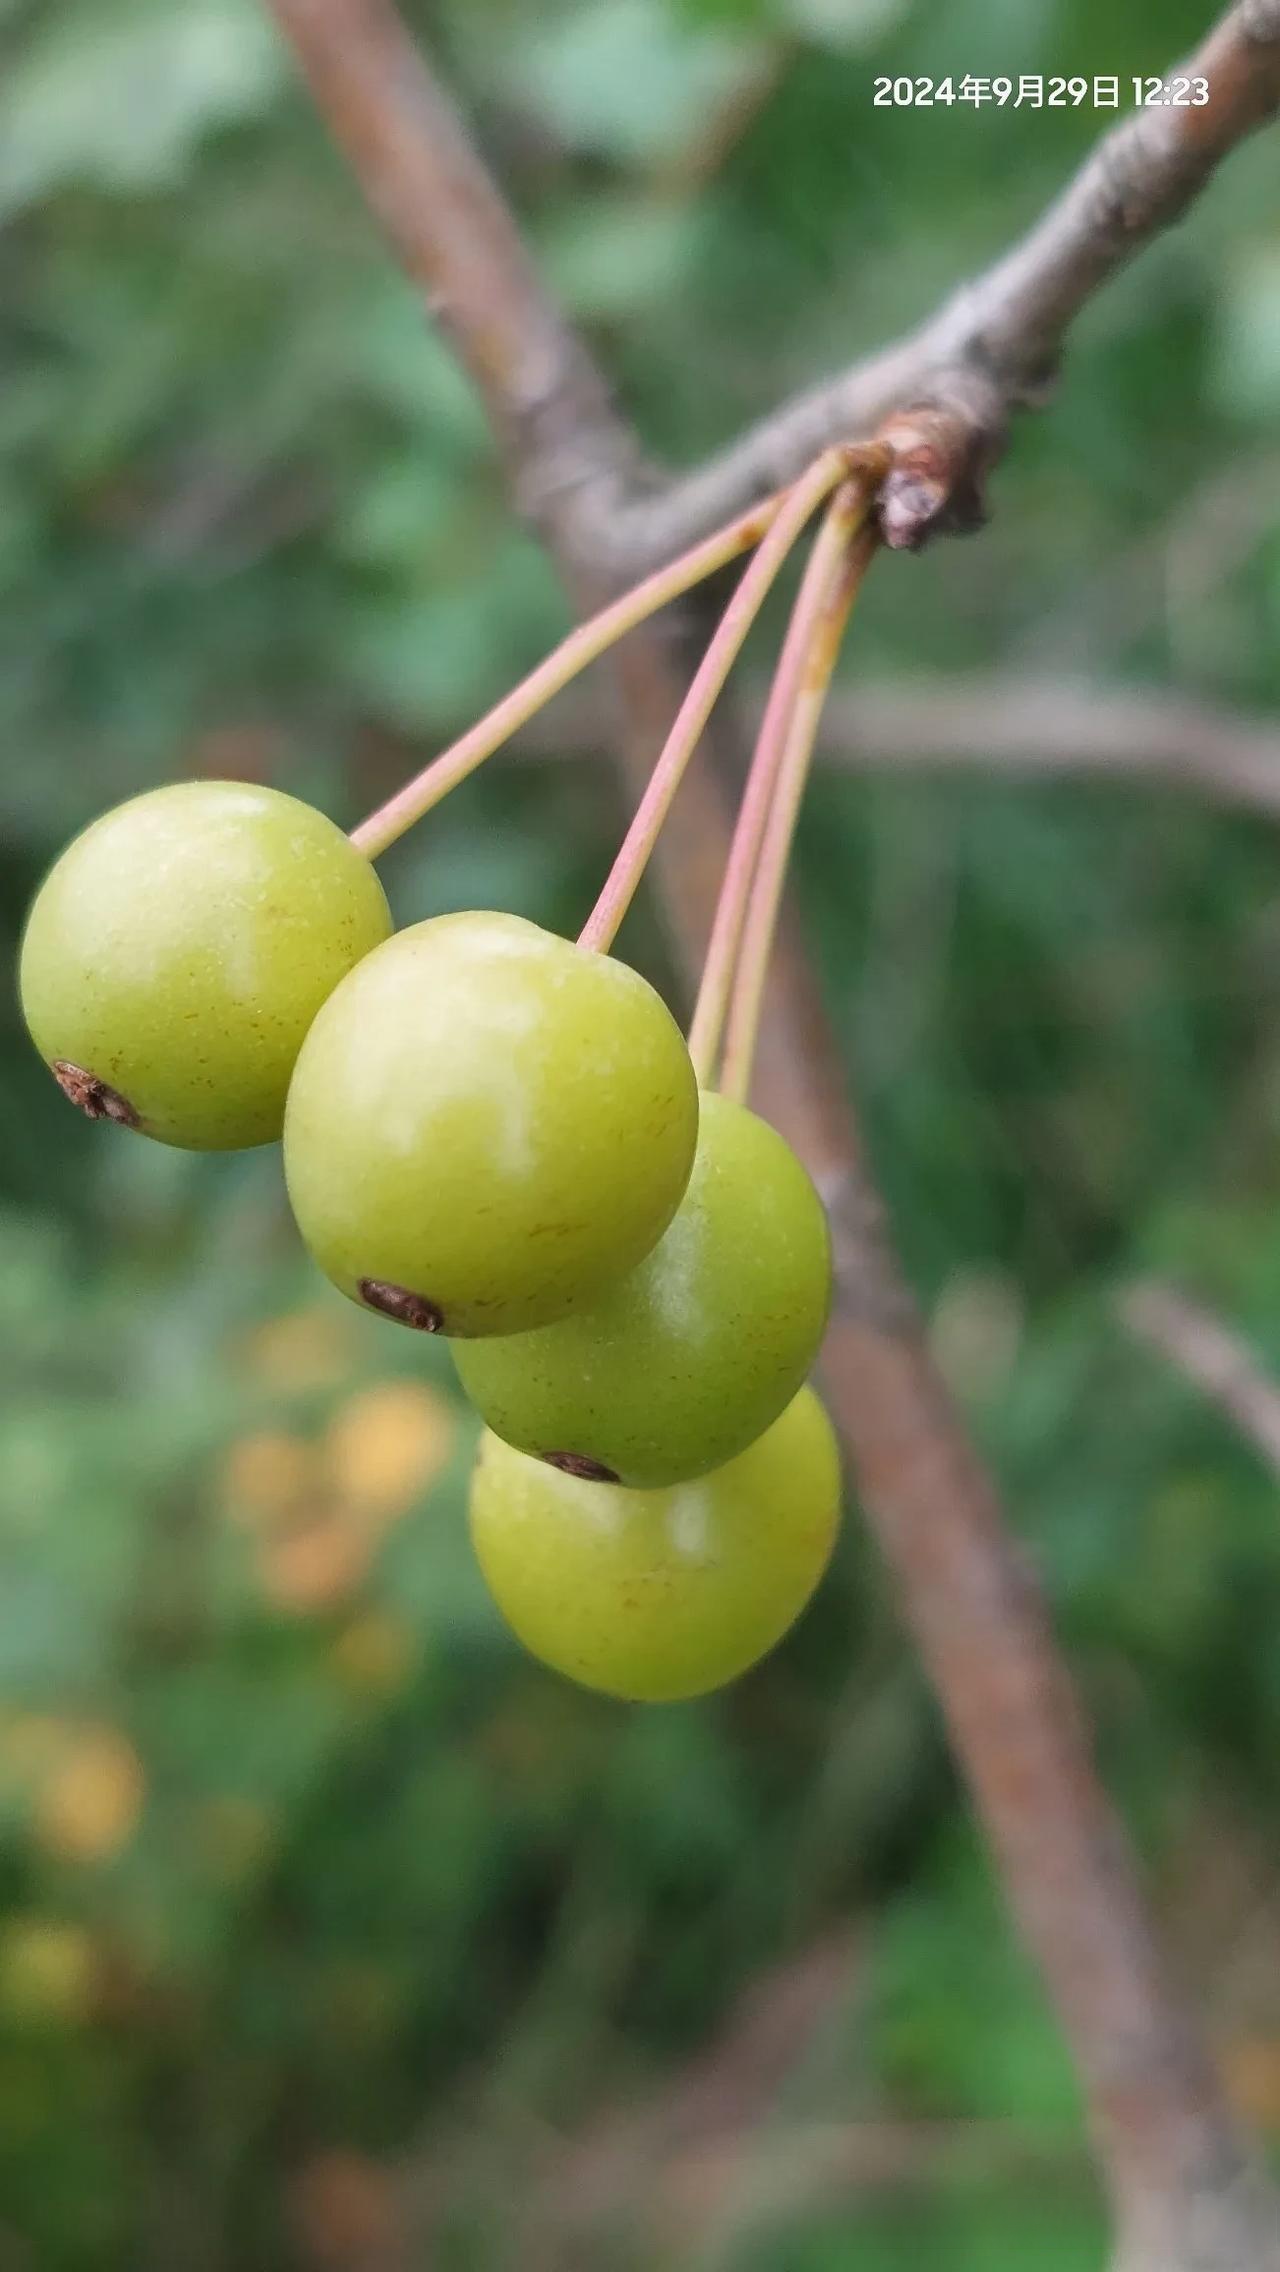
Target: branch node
941	451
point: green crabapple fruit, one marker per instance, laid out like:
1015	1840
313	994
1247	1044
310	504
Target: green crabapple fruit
178	950
486	1124
660	1595
682	1363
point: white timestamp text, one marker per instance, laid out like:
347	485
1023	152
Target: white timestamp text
1035	91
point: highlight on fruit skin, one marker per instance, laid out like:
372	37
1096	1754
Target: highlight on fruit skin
486	1124
657	1596
682	1363
178	950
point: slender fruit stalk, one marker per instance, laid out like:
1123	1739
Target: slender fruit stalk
582	646
602	925
848	511
761	915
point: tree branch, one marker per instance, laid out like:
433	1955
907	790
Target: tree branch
546	402
1217	1360
1033	728
577	471
1185	2191
1013	726
994	345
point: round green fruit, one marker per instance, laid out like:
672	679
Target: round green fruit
486	1124
660	1595
179	949
691	1356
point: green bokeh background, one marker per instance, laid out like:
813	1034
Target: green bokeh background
324	1915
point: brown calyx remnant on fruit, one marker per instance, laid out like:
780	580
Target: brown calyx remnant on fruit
405	1307
577	1463
91	1096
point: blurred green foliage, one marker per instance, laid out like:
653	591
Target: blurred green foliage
304	1872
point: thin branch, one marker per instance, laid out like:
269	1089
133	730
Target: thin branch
995	343
1185	2190
1216	1359
406	145
1033	728
577	471
722	2100
1011	725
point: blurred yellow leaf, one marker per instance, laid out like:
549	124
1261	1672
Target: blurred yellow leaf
268	1476
306	1349
386	1446
375	1654
46	1969
1252	2070
88	1806
311	1569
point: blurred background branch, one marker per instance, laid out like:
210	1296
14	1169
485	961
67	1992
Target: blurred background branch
1019	725
1214	1358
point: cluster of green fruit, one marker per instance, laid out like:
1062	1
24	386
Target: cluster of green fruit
494	1134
